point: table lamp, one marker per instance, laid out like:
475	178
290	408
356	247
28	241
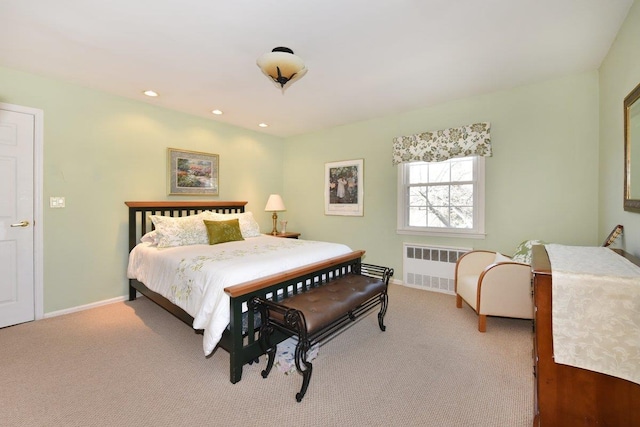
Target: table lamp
275	205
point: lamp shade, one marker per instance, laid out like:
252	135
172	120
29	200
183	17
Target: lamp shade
275	203
282	67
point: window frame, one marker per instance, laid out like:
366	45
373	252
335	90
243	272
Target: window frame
478	230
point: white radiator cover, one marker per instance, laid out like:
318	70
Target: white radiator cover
430	267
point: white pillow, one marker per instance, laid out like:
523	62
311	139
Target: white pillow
150	237
181	231
248	225
501	258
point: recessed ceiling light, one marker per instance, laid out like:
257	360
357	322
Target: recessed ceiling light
216	112
150	93
263	125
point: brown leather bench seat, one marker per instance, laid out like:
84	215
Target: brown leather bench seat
323	305
320	311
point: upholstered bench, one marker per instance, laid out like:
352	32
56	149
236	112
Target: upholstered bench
321	311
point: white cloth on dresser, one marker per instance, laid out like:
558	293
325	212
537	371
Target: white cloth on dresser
595	310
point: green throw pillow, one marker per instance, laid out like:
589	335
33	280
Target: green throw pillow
223	231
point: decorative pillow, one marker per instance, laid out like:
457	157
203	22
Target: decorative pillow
248	225
523	251
223	231
180	231
501	258
150	237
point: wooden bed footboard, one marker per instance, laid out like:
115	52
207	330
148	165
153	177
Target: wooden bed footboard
240	339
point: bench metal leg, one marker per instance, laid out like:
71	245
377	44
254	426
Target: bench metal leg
384	301
265	342
264	335
271	353
302	348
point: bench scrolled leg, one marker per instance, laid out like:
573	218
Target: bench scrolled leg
302	350
265	342
264	335
384	302
297	322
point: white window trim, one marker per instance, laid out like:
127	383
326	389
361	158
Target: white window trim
478	203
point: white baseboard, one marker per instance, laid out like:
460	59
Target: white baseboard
84	307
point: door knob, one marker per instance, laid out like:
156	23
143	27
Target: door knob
21	224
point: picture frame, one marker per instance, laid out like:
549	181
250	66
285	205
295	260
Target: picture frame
192	173
344	188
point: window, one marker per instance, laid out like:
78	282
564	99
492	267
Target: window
442	198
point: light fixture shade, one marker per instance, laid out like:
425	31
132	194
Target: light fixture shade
275	203
282	67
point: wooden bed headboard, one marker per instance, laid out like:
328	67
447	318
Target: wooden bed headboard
139	223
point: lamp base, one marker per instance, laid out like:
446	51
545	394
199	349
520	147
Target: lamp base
275	223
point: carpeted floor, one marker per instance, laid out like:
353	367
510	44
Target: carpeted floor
133	364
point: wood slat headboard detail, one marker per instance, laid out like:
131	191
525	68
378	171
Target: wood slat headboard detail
139	224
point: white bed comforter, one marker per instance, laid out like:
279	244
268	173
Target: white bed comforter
194	277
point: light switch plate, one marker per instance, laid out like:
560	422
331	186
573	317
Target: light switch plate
56	202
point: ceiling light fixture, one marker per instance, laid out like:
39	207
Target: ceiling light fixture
216	112
150	93
282	67
263	125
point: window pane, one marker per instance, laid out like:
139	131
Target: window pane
462	195
418	173
439	172
438	217
417	196
417	217
462	217
462	170
438	195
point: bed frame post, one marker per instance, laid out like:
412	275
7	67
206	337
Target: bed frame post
236	361
132	244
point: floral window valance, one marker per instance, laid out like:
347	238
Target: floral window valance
440	145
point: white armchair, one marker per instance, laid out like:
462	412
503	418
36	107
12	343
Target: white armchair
493	285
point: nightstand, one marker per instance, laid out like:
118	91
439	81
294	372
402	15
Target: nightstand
287	235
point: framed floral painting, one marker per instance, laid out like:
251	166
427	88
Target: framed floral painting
192	173
344	188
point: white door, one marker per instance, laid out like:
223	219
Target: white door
17	296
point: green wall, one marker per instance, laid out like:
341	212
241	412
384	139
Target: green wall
541	182
619	74
102	150
556	143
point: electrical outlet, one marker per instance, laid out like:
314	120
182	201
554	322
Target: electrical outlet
56	202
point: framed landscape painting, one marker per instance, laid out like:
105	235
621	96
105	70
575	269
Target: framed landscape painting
192	173
344	188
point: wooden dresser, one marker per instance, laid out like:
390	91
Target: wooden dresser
567	396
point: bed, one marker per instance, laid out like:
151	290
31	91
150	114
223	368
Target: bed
174	279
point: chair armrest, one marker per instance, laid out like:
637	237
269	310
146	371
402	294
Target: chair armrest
473	263
504	289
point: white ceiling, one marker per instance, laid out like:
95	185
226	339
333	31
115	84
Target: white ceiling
366	58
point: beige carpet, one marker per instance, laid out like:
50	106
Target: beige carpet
133	364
